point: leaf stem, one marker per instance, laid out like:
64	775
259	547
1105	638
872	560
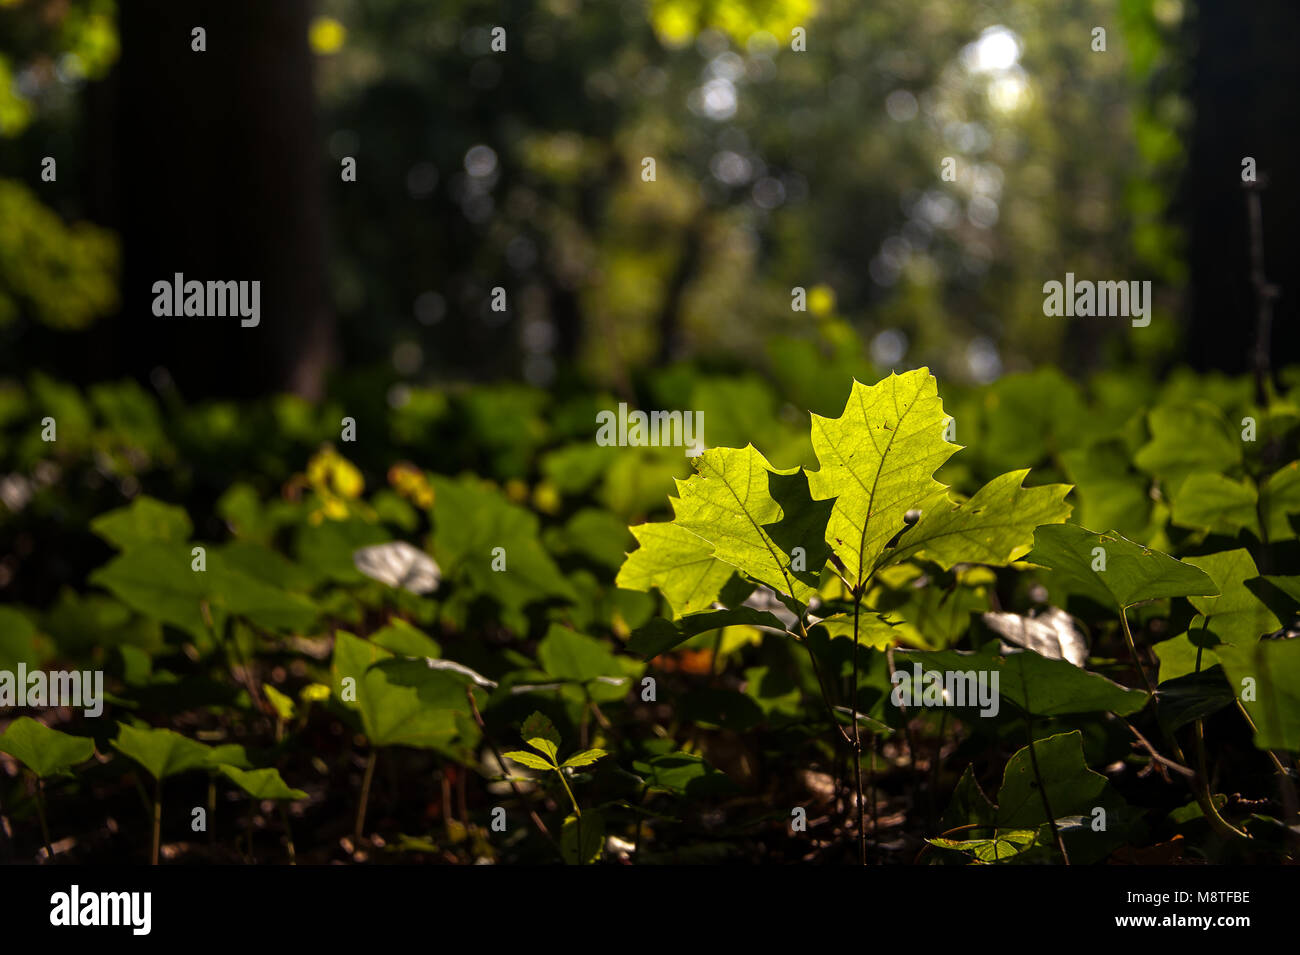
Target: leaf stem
40	812
1042	791
857	739
365	797
157	820
288	833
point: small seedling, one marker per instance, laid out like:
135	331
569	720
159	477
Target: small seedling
540	733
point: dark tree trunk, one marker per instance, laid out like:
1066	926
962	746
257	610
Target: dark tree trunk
1245	78
220	179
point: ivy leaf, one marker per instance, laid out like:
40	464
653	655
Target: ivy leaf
142	521
1133	573
994	527
683	774
1236	615
530	760
392	713
582	838
161	751
877	461
659	635
568	655
156	579
1072	788
1186	439
44	751
1216	503
262	783
1280	498
472	520
680	564
1273	666
1033	683
727	502
585	758
1002	847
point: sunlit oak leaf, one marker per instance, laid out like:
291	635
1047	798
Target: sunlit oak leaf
727	502
877	460
994	527
680	564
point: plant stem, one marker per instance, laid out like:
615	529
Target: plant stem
496	753
1042	791
857	739
252	808
365	796
40	812
1132	651
288	833
1199	783
576	811
157	819
212	809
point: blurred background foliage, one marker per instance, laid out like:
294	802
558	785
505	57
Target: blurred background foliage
776	169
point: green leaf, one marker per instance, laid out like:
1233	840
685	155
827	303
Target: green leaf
874	630
529	760
585	758
1216	503
144	520
1132	574
44	751
659	635
1192	696
539	732
156	580
802	525
596	534
1273	669
1032	682
684	774
1236	615
262	783
568	655
1186	439
583	838
1002	847
727	502
995	527
1072	788
19	640
877	461
283	705
472	520
1280	501
968	806
392	713
161	752
678	563
1108	491
399	637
